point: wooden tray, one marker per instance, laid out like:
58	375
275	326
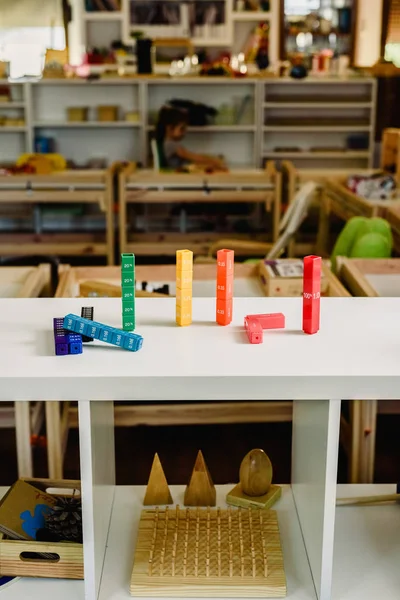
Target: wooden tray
62	560
215	553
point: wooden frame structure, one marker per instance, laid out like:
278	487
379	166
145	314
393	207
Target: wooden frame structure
257	186
338	200
64	187
393	217
359	432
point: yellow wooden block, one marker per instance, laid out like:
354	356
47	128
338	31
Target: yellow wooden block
184	280
184	260
183	297
183	315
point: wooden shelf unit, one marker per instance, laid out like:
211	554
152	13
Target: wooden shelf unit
90	187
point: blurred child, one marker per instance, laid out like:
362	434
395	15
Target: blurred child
170	131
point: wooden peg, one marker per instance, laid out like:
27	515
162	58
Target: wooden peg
157	491
185	550
164	542
241	542
263	545
175	541
219	540
201	490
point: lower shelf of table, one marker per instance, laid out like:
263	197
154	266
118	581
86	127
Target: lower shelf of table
366	558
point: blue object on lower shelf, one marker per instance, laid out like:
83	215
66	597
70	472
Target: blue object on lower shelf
124	339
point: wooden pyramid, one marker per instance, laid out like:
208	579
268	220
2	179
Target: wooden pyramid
201	490
157	492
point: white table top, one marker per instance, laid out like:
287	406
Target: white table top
354	355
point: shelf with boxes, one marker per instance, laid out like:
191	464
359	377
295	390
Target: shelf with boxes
314	121
15	134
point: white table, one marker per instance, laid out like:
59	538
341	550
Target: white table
354	355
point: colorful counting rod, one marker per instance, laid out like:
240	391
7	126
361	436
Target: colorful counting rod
104	333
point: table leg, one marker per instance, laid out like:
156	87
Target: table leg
23	435
363	418
55	454
314	474
323	227
96	444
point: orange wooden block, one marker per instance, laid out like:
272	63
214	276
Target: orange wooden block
184	260
224	286
225	261
224	311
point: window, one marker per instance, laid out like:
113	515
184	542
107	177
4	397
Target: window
27	29
25	48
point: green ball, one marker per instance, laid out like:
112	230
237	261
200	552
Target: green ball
371	245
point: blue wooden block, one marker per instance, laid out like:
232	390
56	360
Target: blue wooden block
132	343
69	322
104	333
76	347
80	328
117	338
87	312
61	349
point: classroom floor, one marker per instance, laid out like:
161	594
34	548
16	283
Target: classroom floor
223	446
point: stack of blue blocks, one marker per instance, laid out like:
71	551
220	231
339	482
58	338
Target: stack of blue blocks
65	343
129	341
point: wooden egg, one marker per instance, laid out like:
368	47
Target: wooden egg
255	473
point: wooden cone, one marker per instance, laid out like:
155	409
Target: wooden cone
201	490
157	492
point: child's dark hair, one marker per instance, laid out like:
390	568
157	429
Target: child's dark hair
167	117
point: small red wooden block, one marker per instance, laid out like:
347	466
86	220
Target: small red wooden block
311	293
269	321
224	311
254	330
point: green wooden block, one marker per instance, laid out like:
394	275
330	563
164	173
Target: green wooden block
128	293
127	262
128	323
127	279
128	308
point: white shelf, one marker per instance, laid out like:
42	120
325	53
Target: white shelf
366	551
317	128
249	16
211	42
86	124
123	530
12	104
11	129
218	129
321	104
317	155
103	16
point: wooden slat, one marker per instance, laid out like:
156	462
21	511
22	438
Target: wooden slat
53	196
198	196
197	413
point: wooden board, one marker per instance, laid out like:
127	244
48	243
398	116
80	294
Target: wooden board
23	282
370	277
215	553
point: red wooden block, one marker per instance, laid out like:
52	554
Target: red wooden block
254	330
224	311
224	286
225	261
270	320
311	293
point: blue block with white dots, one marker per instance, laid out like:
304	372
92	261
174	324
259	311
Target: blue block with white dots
130	341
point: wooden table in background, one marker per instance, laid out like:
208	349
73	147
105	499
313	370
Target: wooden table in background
253	186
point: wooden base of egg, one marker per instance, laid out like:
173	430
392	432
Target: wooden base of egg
255	488
237	497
